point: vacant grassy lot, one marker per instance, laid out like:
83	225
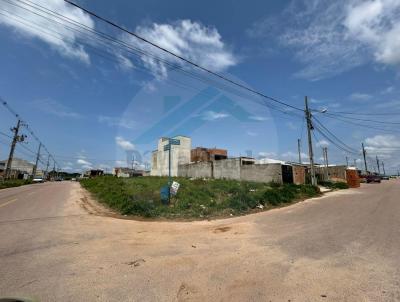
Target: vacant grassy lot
195	199
14	183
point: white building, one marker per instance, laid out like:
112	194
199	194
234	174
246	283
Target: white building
180	154
18	165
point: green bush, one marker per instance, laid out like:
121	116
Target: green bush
334	185
14	183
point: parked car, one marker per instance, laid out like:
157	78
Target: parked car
38	180
373	178
385	177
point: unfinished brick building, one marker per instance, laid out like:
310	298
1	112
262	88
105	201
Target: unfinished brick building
201	154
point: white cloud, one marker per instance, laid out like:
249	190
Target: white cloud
120	163
212	115
83	162
259	118
116	121
186	38
322	143
124	144
385	146
55	108
291	156
51	32
388	90
360	96
331	37
251	133
291	126
267	154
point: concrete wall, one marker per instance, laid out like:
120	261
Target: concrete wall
232	169
196	170
180	154
262	173
227	168
336	173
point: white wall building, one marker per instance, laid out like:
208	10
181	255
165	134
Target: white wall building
180	154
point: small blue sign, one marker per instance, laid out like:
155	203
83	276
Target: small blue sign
164	193
173	141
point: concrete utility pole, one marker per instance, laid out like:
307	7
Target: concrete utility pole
377	163
310	148
17	138
365	158
325	153
355	163
347	161
383	167
299	149
37	161
47	166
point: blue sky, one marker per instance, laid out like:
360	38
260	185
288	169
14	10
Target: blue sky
93	103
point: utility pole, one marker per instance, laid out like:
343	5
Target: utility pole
17	138
47	165
326	163
365	159
347	161
383	167
37	161
54	169
299	149
377	163
310	148
355	163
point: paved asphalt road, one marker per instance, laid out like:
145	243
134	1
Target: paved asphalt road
342	247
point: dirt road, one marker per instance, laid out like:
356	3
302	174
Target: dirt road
341	247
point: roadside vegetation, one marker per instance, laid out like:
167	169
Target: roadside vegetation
13	183
334	185
195	199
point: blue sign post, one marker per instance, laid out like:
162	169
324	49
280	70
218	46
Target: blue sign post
167	147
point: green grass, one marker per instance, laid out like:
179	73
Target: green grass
195	199
14	183
334	185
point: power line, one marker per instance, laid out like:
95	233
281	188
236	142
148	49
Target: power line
362	125
180	57
334	136
122	43
364	114
364	120
103	35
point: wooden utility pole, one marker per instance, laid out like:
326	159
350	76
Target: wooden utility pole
365	158
310	148
15	140
299	149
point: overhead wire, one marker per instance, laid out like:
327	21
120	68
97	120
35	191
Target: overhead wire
181	57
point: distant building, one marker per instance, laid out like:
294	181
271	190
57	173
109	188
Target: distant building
180	154
18	167
127	172
206	154
93	173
